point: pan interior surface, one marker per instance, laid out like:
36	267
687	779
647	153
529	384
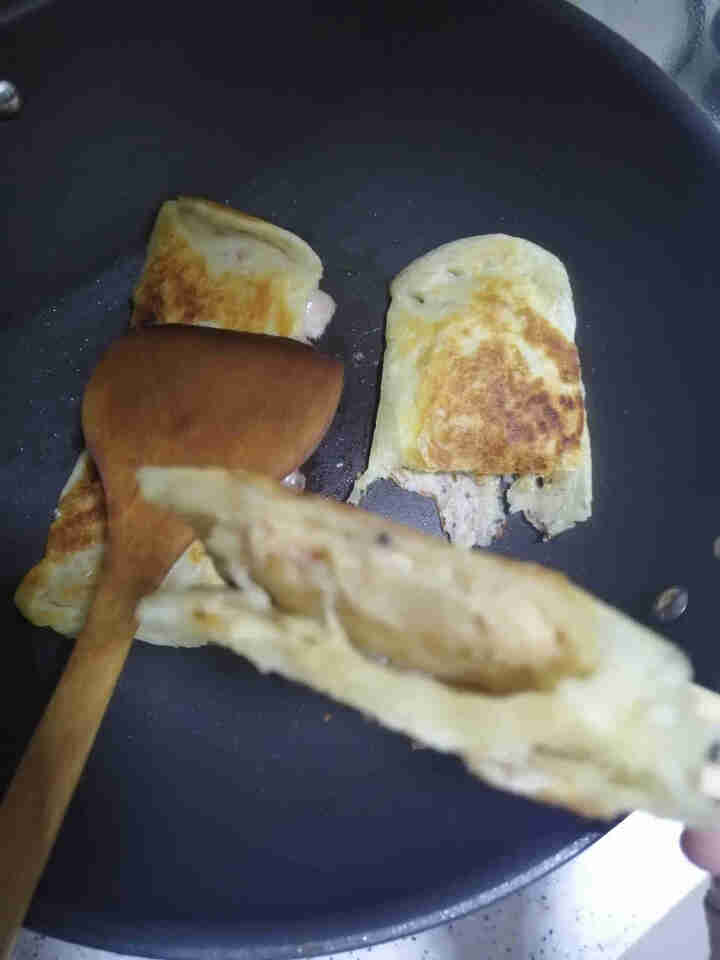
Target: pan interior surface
241	816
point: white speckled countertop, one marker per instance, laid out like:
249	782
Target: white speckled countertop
632	894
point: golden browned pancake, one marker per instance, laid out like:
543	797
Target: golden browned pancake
208	265
540	688
481	379
500	391
57	592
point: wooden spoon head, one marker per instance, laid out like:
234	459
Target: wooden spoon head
179	395
164	395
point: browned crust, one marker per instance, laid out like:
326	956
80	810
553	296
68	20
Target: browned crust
81	521
176	286
484	410
541	334
79	528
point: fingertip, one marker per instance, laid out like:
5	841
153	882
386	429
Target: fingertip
702	847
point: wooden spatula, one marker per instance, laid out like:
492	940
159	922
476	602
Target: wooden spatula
166	396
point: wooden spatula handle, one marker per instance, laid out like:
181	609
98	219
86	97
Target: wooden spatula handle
35	803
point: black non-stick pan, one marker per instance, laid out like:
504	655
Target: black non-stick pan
227	814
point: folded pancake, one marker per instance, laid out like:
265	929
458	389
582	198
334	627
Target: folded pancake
481	381
209	265
540	688
58	591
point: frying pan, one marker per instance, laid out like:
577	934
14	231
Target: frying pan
223	813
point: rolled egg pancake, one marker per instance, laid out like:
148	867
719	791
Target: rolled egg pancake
206	265
482	387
